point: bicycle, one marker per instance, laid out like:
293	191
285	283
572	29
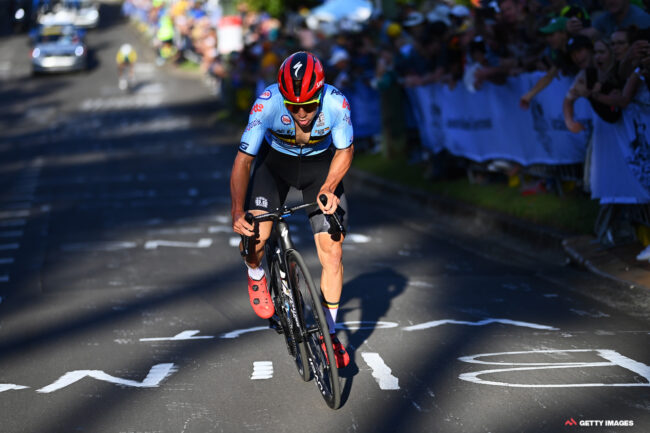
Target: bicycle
298	312
126	80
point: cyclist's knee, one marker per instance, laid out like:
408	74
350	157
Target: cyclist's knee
330	253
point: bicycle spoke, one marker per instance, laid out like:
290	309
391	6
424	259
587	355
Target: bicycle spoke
319	346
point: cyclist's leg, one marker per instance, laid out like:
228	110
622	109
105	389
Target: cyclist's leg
329	247
265	192
330	254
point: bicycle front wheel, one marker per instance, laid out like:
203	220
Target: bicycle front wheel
315	332
287	320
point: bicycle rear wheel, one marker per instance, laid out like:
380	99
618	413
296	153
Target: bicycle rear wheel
287	321
315	332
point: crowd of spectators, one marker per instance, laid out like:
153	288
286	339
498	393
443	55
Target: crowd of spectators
602	43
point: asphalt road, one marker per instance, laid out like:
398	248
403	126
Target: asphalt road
123	305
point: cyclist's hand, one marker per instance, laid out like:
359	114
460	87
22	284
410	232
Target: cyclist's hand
332	202
240	225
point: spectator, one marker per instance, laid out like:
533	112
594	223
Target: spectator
636	86
619	14
340	69
479	69
556	38
637	49
580	49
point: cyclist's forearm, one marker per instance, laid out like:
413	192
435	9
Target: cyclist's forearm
241	170
338	168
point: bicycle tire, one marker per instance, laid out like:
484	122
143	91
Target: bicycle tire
295	346
314	330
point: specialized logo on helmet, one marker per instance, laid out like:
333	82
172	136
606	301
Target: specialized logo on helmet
296	68
300	77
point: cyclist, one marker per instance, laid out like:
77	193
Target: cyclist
299	134
126	58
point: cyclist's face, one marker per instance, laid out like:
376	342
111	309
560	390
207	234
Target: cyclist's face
303	115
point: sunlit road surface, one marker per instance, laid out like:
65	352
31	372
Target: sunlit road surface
123	305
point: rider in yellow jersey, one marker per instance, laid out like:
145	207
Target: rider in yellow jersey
125	59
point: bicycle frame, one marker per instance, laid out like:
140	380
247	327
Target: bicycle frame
302	325
277	247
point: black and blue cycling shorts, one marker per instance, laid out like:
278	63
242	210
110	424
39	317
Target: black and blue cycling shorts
274	173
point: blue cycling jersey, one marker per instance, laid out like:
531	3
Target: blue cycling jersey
269	119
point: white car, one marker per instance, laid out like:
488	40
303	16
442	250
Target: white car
82	13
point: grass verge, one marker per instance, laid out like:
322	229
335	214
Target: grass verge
573	212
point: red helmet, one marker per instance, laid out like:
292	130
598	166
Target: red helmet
301	77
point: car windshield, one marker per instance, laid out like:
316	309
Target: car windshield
57	36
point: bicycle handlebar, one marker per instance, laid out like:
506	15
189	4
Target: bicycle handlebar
333	219
248	242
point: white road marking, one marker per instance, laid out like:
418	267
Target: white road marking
357	238
238	332
380	371
220	229
6	260
14	214
144	100
10	386
625	362
262	370
202	243
435	323
354	325
416	283
4	278
156	375
614	359
185	335
234	241
4	247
